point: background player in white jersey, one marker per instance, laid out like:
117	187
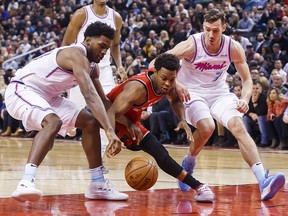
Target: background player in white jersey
34	96
99	11
205	59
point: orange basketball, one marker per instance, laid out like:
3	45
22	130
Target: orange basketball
141	173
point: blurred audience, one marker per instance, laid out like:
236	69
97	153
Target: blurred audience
152	27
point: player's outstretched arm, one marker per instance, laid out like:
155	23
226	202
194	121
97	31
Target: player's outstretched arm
178	108
183	50
75	60
133	93
74	27
115	48
239	59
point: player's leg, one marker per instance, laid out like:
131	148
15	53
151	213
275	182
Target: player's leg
153	147
197	114
108	83
36	114
231	119
91	143
269	186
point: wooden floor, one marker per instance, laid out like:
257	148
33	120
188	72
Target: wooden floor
63	178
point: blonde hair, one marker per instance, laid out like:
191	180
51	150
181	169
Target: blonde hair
264	82
165	37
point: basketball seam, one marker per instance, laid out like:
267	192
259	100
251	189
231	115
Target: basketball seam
144	176
153	175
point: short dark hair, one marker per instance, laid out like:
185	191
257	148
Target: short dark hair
168	61
213	15
97	29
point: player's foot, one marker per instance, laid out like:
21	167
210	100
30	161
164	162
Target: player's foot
271	185
188	166
104	191
26	191
204	194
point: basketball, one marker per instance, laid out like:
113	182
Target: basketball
141	173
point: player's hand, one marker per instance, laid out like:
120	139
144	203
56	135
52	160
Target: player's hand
183	92
242	106
135	133
123	74
183	124
114	146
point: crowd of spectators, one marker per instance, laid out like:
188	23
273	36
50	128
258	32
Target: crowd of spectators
151	27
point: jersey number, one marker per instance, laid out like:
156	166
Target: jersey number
218	74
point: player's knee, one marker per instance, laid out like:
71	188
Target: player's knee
91	125
238	130
206	128
53	122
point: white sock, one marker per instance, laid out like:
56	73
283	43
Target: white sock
259	172
30	172
97	174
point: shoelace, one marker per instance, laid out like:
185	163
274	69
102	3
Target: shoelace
202	189
109	186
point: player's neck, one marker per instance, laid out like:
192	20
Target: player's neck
100	10
213	48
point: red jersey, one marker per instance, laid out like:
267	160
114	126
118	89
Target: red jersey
134	113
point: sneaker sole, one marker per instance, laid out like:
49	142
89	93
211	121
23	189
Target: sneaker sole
205	201
275	185
25	197
88	196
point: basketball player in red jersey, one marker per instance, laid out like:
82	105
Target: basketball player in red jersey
136	94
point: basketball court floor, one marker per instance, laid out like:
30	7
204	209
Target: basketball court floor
63	178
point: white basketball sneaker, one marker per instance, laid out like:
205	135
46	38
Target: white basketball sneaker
26	191
204	194
104	191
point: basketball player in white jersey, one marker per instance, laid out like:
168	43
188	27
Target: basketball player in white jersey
34	96
205	59
99	11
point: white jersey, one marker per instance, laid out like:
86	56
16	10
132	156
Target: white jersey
206	71
45	76
92	17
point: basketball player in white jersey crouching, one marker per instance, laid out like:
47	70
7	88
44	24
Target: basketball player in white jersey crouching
33	96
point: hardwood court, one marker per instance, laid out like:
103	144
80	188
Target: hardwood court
63	178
